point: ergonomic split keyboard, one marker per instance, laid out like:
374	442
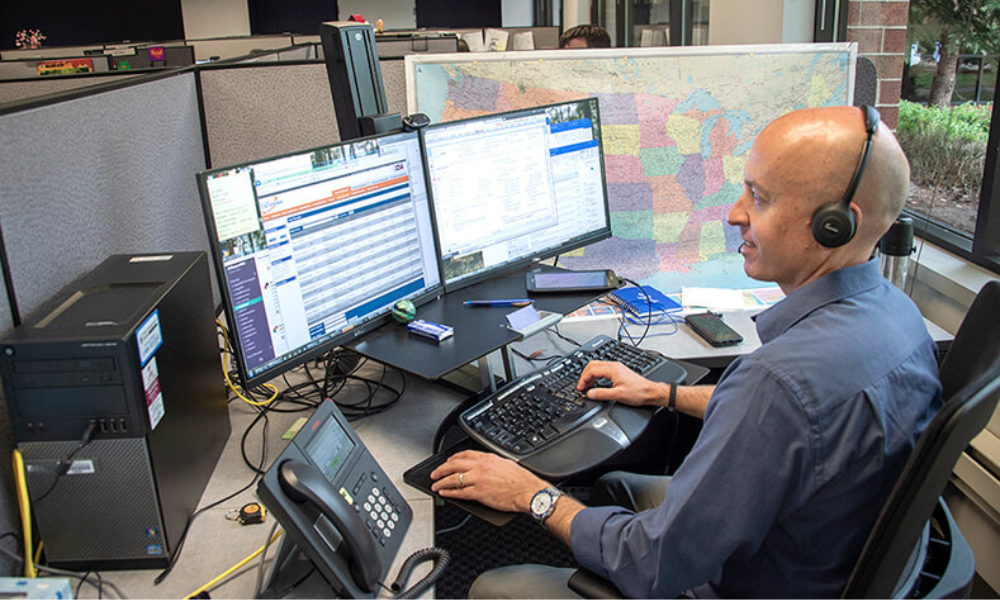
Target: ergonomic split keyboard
537	412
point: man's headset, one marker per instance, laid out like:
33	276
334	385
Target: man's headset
834	224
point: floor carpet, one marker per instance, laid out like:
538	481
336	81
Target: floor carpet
477	546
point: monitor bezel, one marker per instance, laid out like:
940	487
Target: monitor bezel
505	268
333	342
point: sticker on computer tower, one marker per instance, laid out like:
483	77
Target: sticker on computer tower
81	467
154	396
149	337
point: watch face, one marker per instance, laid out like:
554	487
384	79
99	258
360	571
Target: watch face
540	503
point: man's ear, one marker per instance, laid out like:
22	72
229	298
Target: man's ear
858	214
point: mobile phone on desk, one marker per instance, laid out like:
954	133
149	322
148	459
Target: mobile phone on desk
572	281
713	329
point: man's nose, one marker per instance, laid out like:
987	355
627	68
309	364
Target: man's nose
737	214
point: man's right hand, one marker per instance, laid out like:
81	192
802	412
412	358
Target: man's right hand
627	386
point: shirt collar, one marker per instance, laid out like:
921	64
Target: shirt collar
830	288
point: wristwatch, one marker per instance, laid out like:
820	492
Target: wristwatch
543	503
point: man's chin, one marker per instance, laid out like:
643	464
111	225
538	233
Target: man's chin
751	272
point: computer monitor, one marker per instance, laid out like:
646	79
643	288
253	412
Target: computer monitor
515	187
313	249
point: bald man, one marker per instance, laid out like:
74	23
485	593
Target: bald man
802	439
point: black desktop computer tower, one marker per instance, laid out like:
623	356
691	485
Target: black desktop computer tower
118	407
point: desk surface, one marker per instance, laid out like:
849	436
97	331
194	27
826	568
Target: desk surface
398	438
684	344
478	331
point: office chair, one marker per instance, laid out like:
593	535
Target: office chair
915	549
970	377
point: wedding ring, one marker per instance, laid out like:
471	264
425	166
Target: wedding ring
461	480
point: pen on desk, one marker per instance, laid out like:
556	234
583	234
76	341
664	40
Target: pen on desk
509	302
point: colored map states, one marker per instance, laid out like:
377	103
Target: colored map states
672	175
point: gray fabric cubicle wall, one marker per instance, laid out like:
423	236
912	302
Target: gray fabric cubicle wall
259	110
13	91
108	172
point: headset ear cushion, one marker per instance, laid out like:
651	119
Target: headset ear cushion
833	225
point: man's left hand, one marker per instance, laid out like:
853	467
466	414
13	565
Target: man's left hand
487	478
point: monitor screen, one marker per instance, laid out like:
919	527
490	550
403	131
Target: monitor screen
514	187
314	248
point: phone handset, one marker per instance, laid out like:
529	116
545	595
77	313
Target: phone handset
303	483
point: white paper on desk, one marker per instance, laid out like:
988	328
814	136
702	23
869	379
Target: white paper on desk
496	40
475	41
712	298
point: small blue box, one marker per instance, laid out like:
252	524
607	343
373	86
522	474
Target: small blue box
430	330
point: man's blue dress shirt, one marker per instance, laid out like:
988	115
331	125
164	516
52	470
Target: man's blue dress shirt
802	441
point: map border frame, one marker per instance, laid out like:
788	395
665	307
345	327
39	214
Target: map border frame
412	60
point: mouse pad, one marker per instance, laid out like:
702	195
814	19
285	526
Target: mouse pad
419	476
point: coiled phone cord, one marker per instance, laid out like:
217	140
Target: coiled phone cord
439	554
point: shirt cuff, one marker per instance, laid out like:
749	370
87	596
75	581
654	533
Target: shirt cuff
585	536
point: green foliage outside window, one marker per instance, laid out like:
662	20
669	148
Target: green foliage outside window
946	148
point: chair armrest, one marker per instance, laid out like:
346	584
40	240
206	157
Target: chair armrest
588	585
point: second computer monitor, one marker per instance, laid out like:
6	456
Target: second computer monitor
513	187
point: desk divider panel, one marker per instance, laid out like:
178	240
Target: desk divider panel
253	111
238	46
21	69
259	110
92	175
22	89
303	52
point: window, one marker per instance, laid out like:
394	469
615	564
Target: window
953	152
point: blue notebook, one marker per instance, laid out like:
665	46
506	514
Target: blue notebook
641	301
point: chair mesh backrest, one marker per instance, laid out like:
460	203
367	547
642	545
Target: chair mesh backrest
970	376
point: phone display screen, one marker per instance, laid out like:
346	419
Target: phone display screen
329	448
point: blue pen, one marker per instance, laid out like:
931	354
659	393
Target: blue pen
510	302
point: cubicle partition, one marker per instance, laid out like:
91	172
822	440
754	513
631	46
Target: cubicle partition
23	89
154	56
232	47
37	67
96	172
257	110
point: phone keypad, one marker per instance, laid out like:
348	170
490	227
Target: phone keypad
379	512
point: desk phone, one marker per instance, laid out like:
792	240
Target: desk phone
336	505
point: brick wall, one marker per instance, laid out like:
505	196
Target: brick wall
879	28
